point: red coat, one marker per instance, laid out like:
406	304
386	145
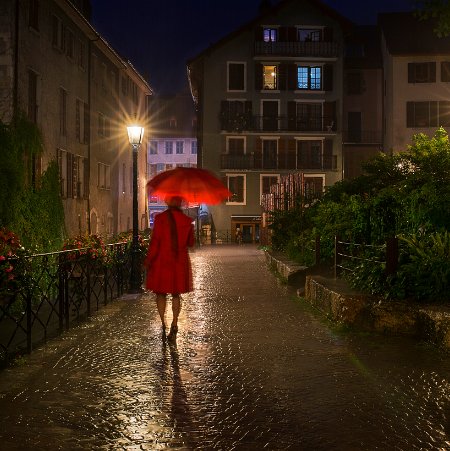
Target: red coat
169	270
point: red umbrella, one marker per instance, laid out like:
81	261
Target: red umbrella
195	185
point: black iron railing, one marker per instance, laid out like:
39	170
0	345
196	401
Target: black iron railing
55	290
246	122
293	48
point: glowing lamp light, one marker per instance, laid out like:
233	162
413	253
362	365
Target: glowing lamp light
135	134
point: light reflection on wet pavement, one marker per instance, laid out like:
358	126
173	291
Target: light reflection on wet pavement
253	368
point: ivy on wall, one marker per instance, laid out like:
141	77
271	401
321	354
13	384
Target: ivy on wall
32	208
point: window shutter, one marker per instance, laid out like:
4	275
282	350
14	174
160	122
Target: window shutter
292	148
282	82
328	77
327	154
282	154
75	176
292	34
433	114
411	72
329	114
292	77
259	34
432	72
248	113
258	76
258	154
291	111
85	178
409	114
69	174
283	34
328	34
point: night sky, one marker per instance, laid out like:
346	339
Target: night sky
158	37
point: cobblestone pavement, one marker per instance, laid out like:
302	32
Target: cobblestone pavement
253	368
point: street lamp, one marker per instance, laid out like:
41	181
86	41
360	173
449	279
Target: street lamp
135	135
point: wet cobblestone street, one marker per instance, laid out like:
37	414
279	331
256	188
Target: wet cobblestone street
253	368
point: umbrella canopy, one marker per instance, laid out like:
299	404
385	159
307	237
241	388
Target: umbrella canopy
193	184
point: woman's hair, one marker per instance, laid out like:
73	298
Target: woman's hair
174	201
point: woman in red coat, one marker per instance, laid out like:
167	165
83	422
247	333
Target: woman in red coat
167	262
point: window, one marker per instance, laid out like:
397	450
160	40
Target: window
270	34
72	174
151	170
309	116
63	112
153	147
173	122
70	47
309	35
313	187
421	114
33	14
270	77
235	146
160	167
421	72
445	71
236	76
169	147
309	77
267	181
58	34
309	154
179	147
236	184
194	147
80	54
32	96
169	166
103	176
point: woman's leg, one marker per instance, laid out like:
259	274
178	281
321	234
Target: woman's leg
161	304
176	307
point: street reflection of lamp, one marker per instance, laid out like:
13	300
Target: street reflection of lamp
135	135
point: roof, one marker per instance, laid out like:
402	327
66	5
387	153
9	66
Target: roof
269	12
405	34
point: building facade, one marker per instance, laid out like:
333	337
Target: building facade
417	79
57	69
172	140
270	102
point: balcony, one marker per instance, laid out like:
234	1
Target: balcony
286	161
249	123
310	49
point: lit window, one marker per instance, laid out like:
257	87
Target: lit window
270	77
270	34
309	77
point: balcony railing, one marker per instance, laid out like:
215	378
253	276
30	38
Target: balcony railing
313	49
287	161
362	136
247	122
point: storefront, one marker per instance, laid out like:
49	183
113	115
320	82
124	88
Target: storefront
248	225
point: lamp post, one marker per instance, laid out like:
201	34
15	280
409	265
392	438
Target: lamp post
135	135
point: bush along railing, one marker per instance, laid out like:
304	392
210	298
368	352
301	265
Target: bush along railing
366	266
49	292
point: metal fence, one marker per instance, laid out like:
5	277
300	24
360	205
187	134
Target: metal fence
55	290
347	254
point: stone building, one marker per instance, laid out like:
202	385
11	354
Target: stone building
56	68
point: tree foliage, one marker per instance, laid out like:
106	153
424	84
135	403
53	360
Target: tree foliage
406	194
